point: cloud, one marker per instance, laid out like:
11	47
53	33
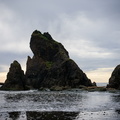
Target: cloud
14	35
3	68
8	57
89	30
100	74
85	37
3	76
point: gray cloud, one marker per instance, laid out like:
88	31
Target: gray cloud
89	29
6	58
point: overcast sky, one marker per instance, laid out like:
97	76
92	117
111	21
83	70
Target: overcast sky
88	29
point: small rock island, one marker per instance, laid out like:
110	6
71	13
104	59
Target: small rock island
50	67
15	78
114	81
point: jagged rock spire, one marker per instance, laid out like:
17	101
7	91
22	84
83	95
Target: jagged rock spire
15	78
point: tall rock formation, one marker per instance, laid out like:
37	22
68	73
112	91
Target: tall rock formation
51	65
114	81
15	78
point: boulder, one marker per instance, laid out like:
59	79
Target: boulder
15	78
114	81
94	84
51	65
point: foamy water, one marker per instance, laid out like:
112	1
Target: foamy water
87	105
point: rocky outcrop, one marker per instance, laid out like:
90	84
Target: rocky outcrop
51	65
114	81
1	83
15	78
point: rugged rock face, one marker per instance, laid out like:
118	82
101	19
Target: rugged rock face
51	65
114	81
15	78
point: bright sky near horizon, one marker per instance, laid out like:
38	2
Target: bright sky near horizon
88	29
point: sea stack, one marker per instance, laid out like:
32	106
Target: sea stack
114	81
51	66
15	78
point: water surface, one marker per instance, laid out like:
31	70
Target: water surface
65	105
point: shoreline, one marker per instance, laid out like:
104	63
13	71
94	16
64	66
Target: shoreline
60	115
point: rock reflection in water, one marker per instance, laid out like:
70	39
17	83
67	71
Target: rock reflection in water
118	111
14	115
38	115
51	115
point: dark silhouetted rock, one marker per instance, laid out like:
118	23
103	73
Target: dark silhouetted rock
114	81
94	84
1	83
15	78
51	65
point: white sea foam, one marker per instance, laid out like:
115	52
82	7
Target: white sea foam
66	101
57	101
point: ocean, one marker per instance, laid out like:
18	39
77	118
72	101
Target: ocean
59	105
101	84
